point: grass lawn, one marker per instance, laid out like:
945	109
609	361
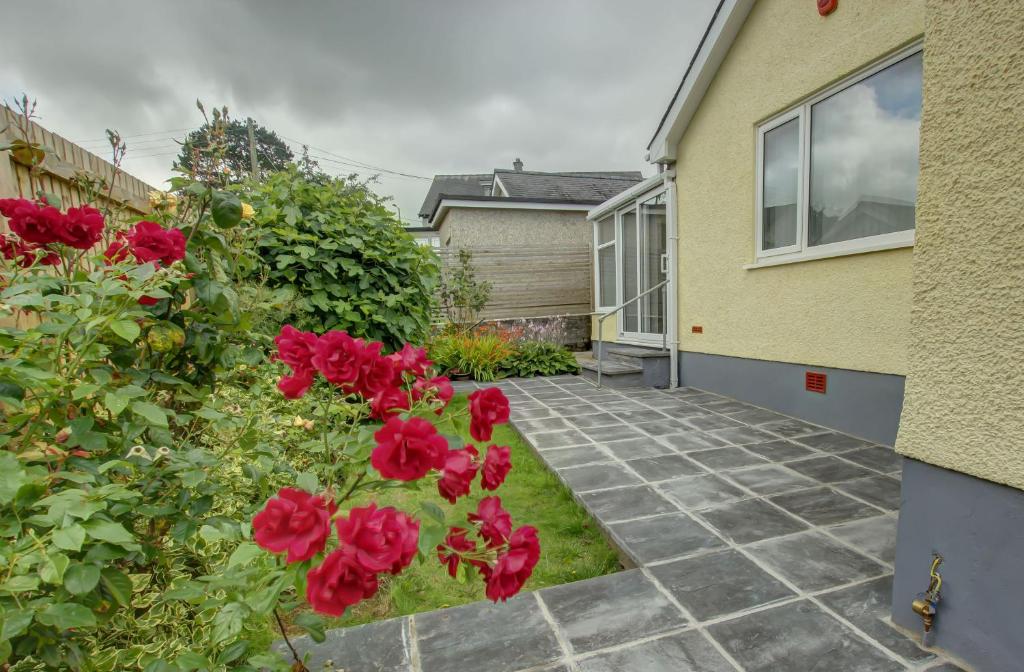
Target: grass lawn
572	547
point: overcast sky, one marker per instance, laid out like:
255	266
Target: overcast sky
415	86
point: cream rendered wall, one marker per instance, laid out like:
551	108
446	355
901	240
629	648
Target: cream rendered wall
494	227
964	406
849	312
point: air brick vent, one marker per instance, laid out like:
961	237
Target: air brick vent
815	381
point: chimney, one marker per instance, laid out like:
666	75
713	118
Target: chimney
518	165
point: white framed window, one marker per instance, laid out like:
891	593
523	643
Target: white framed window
837	174
605	238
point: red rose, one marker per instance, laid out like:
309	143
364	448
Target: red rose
411	360
487	408
82	227
338	583
27	254
294	386
460	467
494	523
449	553
338	357
294	521
383	540
117	251
388	402
148	300
375	371
407	450
33	222
515	565
497	464
150	242
295	348
438	388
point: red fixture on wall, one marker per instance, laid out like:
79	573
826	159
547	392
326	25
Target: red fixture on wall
826	7
697	329
815	381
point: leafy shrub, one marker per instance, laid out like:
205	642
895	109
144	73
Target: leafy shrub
347	261
481	355
462	295
540	358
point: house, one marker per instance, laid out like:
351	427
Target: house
835	233
528	234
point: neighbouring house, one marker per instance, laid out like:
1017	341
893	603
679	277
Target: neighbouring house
528	234
837	222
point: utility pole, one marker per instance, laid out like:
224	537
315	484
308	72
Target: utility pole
252	149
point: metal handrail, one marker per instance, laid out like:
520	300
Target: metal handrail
601	319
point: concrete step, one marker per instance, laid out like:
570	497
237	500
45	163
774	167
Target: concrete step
636	356
613	373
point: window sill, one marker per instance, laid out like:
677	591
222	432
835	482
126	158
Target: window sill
800	257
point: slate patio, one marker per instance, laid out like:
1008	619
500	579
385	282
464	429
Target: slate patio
757	542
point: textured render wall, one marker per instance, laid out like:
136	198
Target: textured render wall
609	329
483	227
847	312
964	407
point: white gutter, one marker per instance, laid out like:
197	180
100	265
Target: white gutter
672	295
628	195
448	203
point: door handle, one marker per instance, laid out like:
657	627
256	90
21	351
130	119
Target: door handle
664	264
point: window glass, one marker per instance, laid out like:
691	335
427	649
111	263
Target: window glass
631	313
864	157
606	230
606	276
781	173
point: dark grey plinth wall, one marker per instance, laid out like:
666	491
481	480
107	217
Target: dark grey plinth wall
978	528
864	404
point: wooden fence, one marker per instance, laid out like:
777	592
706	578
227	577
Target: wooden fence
532	281
56	175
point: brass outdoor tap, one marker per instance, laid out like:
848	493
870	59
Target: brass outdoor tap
927	602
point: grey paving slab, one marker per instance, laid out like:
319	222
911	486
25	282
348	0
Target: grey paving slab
770	479
710	421
823	506
701	491
644	446
624	405
576	407
692	441
538	425
790	427
832	442
683	652
645	415
613	433
798	637
813	562
595	420
757	416
375	647
610	506
485	636
881	491
520	412
728	407
560	439
664	537
751	520
875	537
679	410
662	427
665	467
879	458
725	458
610	610
719	583
780	451
598	477
867	606
575	456
829	469
704	398
742	436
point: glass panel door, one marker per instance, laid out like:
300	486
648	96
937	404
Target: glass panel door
652	265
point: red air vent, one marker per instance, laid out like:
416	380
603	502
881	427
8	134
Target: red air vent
815	382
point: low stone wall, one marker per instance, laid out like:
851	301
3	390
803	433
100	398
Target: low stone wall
573	332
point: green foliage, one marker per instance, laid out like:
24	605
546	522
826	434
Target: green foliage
540	358
231	138
462	296
344	257
481	355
